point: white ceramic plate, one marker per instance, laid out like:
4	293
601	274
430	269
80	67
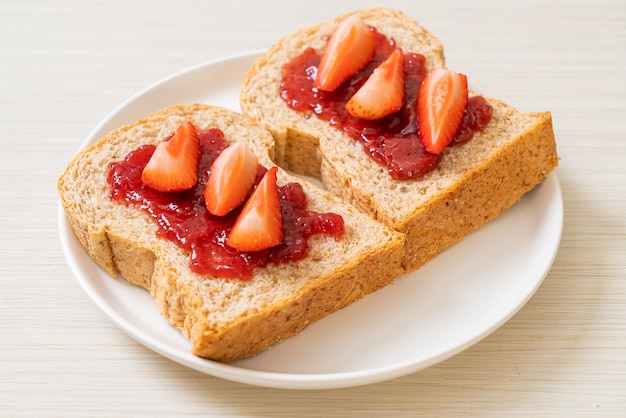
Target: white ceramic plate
426	317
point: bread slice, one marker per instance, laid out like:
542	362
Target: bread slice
224	319
473	184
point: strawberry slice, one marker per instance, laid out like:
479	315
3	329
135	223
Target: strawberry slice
173	166
350	47
231	178
383	92
260	223
441	104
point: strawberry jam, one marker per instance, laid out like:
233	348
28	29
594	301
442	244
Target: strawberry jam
183	219
392	141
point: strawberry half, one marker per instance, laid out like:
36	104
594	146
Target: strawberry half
260	223
441	104
350	47
383	92
173	166
231	178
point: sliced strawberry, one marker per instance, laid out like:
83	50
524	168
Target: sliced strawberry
231	178
174	165
383	92
260	223
441	104
350	47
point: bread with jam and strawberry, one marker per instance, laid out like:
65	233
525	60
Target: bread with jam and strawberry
366	104
237	253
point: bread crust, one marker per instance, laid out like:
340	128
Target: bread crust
473	184
225	319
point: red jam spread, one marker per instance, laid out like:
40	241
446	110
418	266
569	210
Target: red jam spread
392	141
183	218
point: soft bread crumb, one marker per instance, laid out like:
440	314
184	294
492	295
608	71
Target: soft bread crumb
473	184
224	319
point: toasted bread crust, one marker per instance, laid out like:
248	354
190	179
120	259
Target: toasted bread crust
225	319
296	144
481	195
473	184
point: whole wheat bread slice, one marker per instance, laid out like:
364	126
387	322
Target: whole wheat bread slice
224	319
473	184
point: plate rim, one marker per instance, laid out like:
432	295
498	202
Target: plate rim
324	380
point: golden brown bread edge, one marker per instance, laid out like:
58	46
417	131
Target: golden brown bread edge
225	320
474	183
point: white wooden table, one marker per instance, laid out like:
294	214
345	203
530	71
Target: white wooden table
64	65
